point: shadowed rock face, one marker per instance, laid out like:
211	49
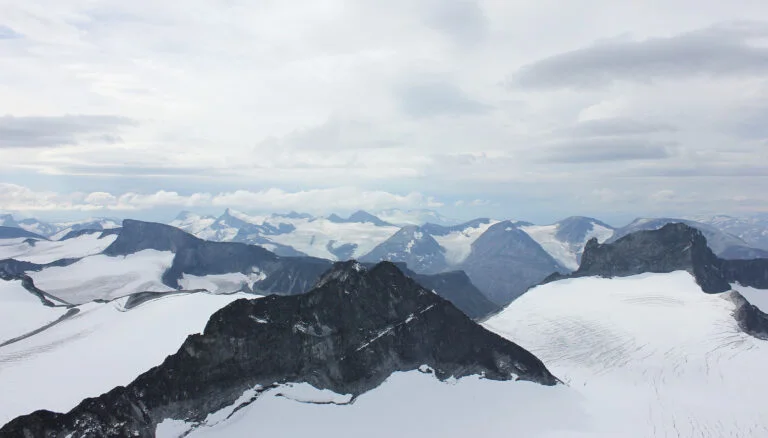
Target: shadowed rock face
505	262
456	287
673	247
751	320
752	273
13	233
724	245
348	335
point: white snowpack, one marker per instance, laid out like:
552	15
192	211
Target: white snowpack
101	347
193	223
221	283
104	277
22	312
651	355
564	252
44	251
408	404
66	227
312	236
458	244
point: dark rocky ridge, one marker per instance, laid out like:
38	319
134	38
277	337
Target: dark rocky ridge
347	335
750	319
724	245
673	247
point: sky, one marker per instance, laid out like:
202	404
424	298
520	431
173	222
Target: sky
534	110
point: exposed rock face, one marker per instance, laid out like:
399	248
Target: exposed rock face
673	247
505	262
347	335
456	287
751	320
752	273
412	246
724	245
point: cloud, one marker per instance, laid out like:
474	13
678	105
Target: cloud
461	20
334	134
430	96
616	126
713	51
14	197
51	131
607	150
6	33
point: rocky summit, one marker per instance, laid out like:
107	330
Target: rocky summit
348	334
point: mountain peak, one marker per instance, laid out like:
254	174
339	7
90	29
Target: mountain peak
342	271
347	336
361	216
673	247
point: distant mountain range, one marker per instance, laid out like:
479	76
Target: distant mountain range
502	258
181	342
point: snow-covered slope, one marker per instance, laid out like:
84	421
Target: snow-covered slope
407	404
330	238
221	283
65	228
104	277
320	237
565	240
457	240
414	217
43	251
651	355
753	230
191	222
100	347
22	312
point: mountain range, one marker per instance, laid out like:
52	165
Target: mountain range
502	258
617	347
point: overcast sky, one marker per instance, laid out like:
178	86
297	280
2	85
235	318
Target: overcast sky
519	109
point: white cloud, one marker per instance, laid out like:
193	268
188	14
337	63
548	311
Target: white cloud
18	198
396	98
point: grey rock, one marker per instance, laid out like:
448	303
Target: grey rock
505	262
724	245
347	335
673	247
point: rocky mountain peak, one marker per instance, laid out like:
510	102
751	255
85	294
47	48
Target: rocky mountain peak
347	335
673	247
